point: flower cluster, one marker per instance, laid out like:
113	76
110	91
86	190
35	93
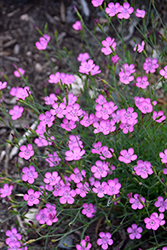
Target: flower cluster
47	215
125	73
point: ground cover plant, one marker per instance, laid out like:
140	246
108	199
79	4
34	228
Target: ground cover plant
97	151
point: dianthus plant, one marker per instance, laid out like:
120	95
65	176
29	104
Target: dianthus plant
94	158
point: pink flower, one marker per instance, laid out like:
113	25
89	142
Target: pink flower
68	125
163	72
59	110
73	112
82	57
53	159
29	174
101	99
163	156
97	3
95	70
108	43
115	59
3	85
125	11
89	210
125	73
150	65
49	100
134	232
154	221
143	169
6	190
51	178
140	13
160	115
86	67
74	154
105	240
77	25
43	42
82	189
46	119
145	106
136	202
113	187
112	9
83	245
161	203
32	197
67	195
74	141
16	112
127	156
106	153
87	120
77	176
99	189
13	236
142	82
26	152
54	78
100	169
97	148
139	47
19	72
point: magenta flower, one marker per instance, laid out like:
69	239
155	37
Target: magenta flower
3	85
82	57
19	72
13	237
95	70
160	115
127	156
87	120
125	11
77	176
46	119
6	190
42	216
67	195
74	154
77	25
139	47
82	189
99	169
105	240
68	125
26	152
112	9
140	13
97	3
29	174
50	100
163	156
54	78
150	65
113	187
89	210
142	82
134	232
161	203
86	67
53	159
99	189
143	169
73	112
136	201
154	221
108	43
32	197
16	112
96	148
115	59
83	245
125	73
51	178
163	72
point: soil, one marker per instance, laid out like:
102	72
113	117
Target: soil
19	24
